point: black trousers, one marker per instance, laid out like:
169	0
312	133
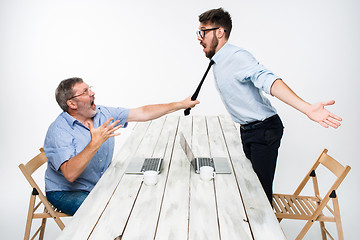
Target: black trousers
261	141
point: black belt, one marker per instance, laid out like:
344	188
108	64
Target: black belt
256	124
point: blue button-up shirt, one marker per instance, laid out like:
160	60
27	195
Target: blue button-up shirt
240	80
67	137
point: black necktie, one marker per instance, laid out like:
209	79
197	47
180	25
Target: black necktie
196	93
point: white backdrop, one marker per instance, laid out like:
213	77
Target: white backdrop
141	52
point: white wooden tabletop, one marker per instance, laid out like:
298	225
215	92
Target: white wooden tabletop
181	205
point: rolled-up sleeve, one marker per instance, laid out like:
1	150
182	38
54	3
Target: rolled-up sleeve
118	113
122	115
251	70
59	147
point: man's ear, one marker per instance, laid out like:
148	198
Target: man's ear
71	104
221	33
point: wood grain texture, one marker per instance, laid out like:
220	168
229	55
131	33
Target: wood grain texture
203	212
113	221
148	203
262	220
173	219
181	205
233	222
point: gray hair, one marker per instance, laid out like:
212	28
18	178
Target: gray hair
65	91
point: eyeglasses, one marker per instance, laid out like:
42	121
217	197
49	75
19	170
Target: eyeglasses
202	32
87	91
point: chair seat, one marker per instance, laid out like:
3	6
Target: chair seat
294	206
47	215
310	208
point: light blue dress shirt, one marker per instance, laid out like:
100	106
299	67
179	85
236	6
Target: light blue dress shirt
67	137
240	80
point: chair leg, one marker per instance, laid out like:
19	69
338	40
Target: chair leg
59	223
43	225
304	230
56	218
29	217
337	218
322	228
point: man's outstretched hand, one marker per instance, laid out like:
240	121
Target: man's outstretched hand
318	113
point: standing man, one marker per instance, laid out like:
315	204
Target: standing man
240	80
79	144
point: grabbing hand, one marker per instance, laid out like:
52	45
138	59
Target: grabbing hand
104	132
188	103
318	113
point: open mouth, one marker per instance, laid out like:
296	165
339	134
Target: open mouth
92	103
203	45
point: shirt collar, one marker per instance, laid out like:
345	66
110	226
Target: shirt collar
221	54
69	119
72	121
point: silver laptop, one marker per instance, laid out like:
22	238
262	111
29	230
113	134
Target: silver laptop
220	164
139	165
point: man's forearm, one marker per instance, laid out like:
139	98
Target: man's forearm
74	167
315	112
150	112
281	91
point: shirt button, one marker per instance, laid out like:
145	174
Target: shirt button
101	160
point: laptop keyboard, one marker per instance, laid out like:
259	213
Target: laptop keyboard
150	164
206	162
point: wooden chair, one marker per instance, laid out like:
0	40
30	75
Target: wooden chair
49	211
310	208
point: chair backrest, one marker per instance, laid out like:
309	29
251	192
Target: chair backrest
36	162
331	164
49	212
334	166
30	167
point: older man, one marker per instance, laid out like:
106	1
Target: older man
79	144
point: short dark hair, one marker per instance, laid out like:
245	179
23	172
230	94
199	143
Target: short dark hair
219	17
65	91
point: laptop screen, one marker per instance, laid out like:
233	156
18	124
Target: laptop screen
185	146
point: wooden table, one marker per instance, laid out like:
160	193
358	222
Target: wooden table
180	205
